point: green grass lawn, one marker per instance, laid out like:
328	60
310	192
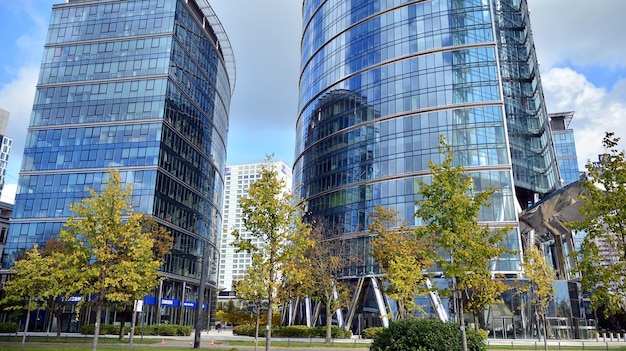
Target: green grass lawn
111	343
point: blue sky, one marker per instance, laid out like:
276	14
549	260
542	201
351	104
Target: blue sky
581	48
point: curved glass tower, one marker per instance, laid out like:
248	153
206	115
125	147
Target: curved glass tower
144	87
381	80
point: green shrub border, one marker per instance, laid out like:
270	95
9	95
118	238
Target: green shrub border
163	329
294	331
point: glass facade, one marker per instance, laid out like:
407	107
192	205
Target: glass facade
381	80
565	146
144	87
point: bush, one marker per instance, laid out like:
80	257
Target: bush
164	329
8	327
371	333
294	331
425	335
105	329
335	332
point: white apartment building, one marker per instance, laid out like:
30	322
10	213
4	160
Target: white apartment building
237	182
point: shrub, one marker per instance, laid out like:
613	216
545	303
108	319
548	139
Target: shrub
8	327
294	331
105	329
163	329
335	332
425	335
166	330
371	333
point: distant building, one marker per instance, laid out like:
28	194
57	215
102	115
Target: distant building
565	146
5	146
237	181
6	209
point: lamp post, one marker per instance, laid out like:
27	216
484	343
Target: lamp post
201	288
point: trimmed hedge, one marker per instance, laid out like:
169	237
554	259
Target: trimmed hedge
166	330
371	333
294	331
8	327
426	335
105	329
163	329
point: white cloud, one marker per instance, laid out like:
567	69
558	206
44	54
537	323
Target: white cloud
579	32
596	110
17	97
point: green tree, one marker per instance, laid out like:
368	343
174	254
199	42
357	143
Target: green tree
450	207
251	289
403	258
30	283
540	277
324	262
272	216
57	292
111	257
604	213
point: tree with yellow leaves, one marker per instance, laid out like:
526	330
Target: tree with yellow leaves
540	276
403	258
273	217
111	258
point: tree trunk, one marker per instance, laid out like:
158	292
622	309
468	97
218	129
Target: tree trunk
401	310
329	323
49	314
132	327
462	324
58	312
96	331
545	331
268	331
256	331
30	299
120	335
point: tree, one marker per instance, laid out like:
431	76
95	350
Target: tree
57	292
30	283
111	259
540	277
604	213
450	209
251	289
162	241
323	264
272	217
403	258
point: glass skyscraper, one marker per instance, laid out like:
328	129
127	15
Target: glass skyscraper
143	87
381	80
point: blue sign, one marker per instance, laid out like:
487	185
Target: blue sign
170	302
190	304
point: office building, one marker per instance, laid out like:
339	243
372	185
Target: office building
233	264
380	81
143	87
5	147
565	146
